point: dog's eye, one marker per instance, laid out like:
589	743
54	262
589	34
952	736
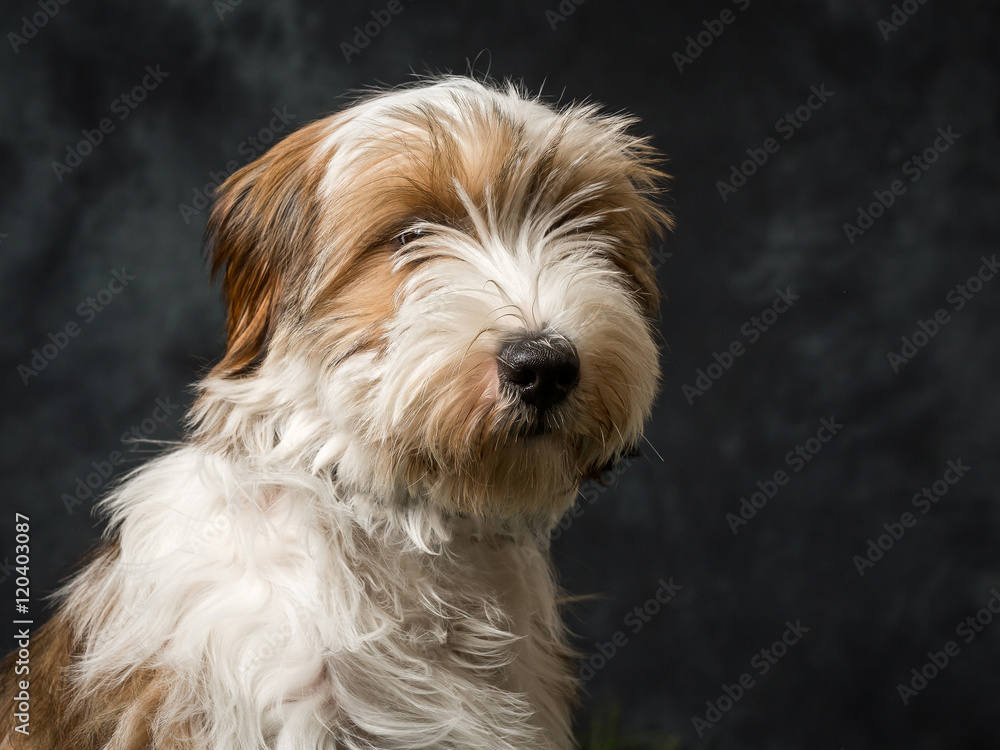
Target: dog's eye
409	235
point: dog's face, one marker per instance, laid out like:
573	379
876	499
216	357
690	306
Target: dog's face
454	283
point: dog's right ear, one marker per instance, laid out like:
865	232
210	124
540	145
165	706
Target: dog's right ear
260	240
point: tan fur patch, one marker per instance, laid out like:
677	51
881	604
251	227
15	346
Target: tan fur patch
260	236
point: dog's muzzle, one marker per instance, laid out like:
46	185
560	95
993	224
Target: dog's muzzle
539	369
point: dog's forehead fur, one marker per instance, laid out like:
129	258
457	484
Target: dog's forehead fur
311	223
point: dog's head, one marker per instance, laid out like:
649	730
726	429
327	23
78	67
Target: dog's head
451	285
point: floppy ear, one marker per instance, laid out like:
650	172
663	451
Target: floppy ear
642	222
260	238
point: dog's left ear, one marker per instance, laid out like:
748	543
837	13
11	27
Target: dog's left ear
636	183
643	222
260	238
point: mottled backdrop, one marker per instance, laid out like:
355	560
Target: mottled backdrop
816	513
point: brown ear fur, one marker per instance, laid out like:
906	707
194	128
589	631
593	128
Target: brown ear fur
260	239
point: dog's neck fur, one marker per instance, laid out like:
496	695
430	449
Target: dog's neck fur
337	607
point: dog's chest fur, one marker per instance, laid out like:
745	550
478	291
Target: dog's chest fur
325	611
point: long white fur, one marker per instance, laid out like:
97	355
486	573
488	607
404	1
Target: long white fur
294	589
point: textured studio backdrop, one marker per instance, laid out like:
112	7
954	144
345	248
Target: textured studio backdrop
808	553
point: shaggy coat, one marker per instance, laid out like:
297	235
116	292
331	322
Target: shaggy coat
350	550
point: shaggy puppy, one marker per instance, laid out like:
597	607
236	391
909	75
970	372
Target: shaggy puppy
440	321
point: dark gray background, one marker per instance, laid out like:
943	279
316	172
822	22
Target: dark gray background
825	357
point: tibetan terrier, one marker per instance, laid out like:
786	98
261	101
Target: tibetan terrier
441	317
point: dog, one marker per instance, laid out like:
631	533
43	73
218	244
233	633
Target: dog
441	319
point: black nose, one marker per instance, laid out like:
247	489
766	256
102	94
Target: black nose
541	370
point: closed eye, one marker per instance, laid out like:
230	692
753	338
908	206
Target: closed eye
411	248
409	235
